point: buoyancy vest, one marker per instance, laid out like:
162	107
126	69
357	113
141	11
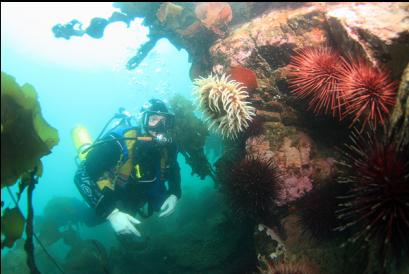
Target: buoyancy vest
126	166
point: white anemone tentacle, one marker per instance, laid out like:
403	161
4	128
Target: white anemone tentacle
223	103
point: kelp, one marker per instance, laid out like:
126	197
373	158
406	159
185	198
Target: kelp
25	138
12	226
29	245
190	135
25	135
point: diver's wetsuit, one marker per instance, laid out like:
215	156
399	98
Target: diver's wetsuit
151	165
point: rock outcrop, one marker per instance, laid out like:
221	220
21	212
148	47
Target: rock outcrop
304	146
400	115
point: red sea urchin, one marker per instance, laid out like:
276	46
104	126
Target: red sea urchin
252	186
314	73
377	204
369	92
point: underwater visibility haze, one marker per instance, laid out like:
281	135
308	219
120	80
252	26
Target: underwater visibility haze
205	137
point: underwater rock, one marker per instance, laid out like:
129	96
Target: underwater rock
260	146
400	115
60	214
15	260
214	15
66	210
304	146
204	237
266	43
87	256
269	116
376	31
295	154
268	243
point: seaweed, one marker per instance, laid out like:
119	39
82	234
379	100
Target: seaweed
190	135
25	138
25	135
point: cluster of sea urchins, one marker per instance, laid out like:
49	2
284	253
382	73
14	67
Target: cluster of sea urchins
342	87
376	208
251	186
224	103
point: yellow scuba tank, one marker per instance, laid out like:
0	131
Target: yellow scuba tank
82	140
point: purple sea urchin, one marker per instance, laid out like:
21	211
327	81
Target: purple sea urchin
317	211
251	186
377	205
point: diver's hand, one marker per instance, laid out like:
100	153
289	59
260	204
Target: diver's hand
168	206
123	223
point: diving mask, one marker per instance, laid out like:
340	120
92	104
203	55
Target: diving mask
156	121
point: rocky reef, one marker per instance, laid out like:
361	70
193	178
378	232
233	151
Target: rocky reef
304	145
368	42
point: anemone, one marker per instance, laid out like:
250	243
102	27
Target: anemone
223	102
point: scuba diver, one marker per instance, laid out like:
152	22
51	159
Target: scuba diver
125	170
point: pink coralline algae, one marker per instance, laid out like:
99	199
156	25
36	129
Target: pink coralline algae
214	15
293	188
294	161
259	146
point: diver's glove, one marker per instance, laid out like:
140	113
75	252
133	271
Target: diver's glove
123	223
168	206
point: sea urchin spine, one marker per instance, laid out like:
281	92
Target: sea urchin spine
369	92
252	186
377	205
314	74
